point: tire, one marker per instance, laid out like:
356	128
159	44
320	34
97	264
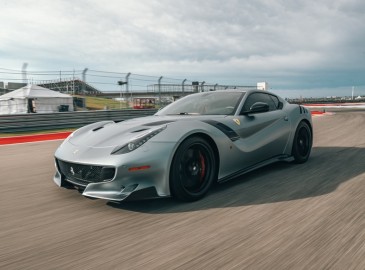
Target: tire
302	143
193	170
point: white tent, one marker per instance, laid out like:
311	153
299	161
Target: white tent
35	99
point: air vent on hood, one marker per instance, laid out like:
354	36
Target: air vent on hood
139	130
95	129
158	123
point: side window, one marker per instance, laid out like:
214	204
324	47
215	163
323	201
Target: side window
251	99
275	100
269	101
260	97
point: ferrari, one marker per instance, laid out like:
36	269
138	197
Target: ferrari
186	147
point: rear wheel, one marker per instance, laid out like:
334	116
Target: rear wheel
302	143
192	170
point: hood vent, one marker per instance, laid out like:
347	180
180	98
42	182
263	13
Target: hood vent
139	130
158	123
96	129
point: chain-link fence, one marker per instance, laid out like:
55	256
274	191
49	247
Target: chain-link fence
103	90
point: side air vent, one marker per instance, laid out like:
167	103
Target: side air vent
230	133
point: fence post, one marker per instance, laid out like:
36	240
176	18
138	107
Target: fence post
159	91
202	86
183	85
24	72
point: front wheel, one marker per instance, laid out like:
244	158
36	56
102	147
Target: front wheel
302	143
192	170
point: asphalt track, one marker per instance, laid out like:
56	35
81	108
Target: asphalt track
285	216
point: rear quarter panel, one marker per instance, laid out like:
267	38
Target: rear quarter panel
296	114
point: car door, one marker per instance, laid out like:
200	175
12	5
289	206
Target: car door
262	135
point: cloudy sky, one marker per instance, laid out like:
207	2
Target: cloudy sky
304	47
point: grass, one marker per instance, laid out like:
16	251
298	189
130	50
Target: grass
97	103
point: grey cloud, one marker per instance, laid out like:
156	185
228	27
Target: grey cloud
289	43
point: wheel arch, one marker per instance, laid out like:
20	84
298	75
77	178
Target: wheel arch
211	142
308	123
213	145
299	160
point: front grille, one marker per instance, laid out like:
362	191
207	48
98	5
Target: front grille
85	174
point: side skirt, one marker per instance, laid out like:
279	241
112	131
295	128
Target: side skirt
285	158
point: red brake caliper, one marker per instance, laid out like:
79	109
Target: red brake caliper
202	169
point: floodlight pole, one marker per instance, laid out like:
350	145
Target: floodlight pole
127	86
121	95
84	79
127	82
73	82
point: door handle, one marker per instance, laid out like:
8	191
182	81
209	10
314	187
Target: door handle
286	118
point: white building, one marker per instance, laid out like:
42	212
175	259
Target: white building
262	86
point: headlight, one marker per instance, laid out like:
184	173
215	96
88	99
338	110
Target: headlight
137	142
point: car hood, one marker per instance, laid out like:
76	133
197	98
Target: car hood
111	134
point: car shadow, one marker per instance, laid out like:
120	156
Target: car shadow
327	168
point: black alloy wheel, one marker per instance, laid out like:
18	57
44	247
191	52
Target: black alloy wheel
302	143
193	169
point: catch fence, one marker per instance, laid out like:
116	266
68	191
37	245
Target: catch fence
51	121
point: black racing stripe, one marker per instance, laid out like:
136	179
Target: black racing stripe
231	134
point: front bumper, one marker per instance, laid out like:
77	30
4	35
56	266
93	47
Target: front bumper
154	156
112	191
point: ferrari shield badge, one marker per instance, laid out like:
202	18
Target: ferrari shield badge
237	121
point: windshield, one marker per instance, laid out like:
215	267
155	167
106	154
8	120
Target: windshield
210	103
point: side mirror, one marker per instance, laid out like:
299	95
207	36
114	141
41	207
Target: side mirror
258	107
281	105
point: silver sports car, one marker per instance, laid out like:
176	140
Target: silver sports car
185	147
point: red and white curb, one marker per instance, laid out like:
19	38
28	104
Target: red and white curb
34	138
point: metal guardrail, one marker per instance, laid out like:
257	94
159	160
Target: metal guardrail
48	121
